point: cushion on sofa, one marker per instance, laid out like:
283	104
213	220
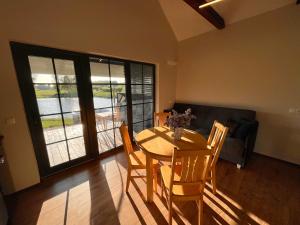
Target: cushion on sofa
243	129
232	150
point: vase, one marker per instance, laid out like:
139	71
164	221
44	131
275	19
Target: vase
178	133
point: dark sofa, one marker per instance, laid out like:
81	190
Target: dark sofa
242	124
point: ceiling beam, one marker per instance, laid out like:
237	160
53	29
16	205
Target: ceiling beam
208	13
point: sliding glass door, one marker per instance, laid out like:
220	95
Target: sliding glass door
55	87
75	102
110	102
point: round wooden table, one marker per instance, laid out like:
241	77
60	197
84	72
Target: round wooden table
159	143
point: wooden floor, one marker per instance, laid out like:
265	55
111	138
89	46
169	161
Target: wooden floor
267	191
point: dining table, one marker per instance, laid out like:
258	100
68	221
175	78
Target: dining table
159	143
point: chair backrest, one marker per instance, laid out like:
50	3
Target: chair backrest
126	139
216	140
160	118
194	167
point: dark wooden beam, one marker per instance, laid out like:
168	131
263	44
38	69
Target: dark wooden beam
208	13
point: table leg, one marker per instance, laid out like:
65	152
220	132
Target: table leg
149	171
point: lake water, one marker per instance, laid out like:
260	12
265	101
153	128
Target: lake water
51	105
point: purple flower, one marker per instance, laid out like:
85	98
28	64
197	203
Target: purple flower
180	120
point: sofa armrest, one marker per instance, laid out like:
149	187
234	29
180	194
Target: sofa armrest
250	141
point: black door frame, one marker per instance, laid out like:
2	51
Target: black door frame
20	54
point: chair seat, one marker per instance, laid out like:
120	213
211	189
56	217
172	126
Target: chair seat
138	159
179	190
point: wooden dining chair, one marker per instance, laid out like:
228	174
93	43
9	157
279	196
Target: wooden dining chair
160	118
215	143
185	179
136	159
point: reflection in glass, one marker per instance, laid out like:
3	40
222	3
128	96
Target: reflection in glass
41	69
120	115
137	113
136	73
99	72
47	98
148	111
148	124
137	127
148	74
65	71
119	95
105	140
137	94
73	124
104	119
102	96
148	93
69	98
53	128
76	148
57	153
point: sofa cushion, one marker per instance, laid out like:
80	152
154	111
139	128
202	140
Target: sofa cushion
243	129
232	127
232	150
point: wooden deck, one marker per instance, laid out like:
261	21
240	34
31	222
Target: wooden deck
265	192
58	152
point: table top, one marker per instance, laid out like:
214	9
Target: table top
160	143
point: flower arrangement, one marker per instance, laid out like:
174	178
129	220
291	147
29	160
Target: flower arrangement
177	120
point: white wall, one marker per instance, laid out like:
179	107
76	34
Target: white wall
253	64
131	29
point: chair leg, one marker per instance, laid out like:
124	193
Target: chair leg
200	212
162	187
155	179
128	179
213	180
170	210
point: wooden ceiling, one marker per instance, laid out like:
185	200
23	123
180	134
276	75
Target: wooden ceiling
187	20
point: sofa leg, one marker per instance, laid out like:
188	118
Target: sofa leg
239	166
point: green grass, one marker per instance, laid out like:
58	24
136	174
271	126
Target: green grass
50	123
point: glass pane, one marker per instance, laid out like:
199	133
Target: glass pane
76	148
117	71
120	115
73	125
137	94
41	69
102	96
104	119
148	124
137	128
69	99
148	93
137	113
47	98
99	72
119	95
57	153
65	71
105	140
148	111
148	74
53	128
118	138
136	72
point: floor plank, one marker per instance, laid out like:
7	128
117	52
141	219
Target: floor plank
265	192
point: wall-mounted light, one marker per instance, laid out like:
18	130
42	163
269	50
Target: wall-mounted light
209	3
